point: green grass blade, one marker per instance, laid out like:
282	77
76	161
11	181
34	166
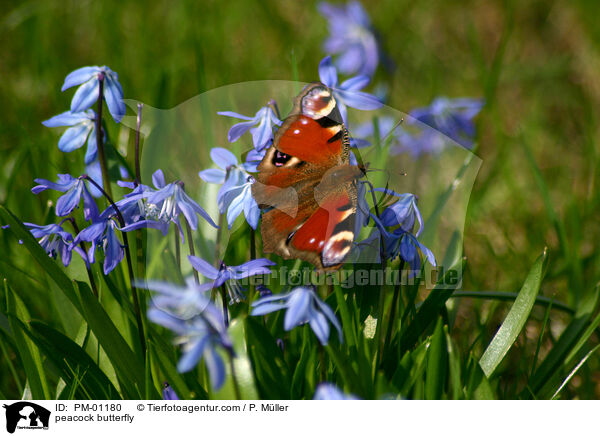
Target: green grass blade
569	343
27	349
428	312
71	360
165	363
128	365
38	253
574	371
437	364
515	320
243	368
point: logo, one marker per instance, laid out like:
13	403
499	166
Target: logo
26	415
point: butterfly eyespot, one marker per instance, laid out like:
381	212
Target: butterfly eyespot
280	158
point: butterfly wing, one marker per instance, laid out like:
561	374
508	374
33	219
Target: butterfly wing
307	186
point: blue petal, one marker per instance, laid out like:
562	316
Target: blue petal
251	212
262	134
203	267
79	76
213	175
193	354
148	224
355	83
252	267
327	72
185	202
319	325
359	100
113	250
223	157
237	130
67	118
235	115
86	95
113	93
234	210
298	308
351	60
263	309
157	316
70	200
90	209
158	179
74	137
216	368
95	173
169	394
92	150
91	233
328	312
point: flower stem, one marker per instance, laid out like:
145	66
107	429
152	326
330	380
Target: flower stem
390	327
190	240
236	386
136	303
224	300
252	243
99	138
87	265
275	108
138	173
177	250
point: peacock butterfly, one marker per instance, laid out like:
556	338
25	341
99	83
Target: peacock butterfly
306	186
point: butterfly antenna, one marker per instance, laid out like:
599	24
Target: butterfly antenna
392	130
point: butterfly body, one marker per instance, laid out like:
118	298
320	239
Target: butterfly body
306	185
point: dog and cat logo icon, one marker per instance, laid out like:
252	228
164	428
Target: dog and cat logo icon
26	415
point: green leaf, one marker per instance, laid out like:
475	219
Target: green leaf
574	371
437	364
127	365
28	351
243	368
271	372
515	320
165	361
429	310
570	342
75	365
38	253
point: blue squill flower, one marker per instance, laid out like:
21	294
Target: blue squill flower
403	212
328	391
235	195
348	92
81	128
302	306
229	275
403	243
165	205
451	117
261	134
87	94
74	189
200	335
102	233
351	37
168	393
54	240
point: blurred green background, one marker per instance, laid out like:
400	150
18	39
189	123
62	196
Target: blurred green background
535	62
